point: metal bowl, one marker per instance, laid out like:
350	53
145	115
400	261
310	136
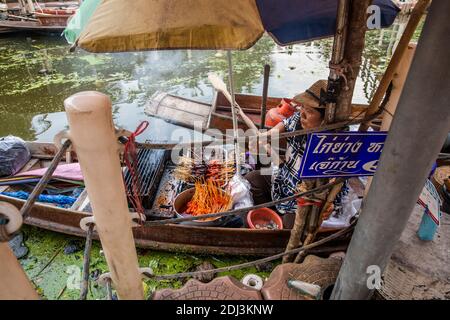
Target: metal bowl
180	204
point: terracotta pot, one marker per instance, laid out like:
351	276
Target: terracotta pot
263	216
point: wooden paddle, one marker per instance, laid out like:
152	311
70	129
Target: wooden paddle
220	86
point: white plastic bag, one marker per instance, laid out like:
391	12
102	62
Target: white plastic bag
14	154
350	206
239	188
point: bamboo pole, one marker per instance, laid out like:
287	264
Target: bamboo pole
14	283
93	136
30	6
402	46
264	95
314	220
301	216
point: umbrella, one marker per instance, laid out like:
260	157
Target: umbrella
121	25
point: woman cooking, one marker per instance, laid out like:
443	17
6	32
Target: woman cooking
310	114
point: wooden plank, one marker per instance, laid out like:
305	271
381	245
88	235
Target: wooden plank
28	166
30	25
80	200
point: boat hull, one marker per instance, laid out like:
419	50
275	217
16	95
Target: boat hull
177	238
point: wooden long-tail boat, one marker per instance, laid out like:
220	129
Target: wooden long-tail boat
217	114
169	237
48	17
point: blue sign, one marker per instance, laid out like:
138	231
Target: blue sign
341	154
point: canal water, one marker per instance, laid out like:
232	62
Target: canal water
37	73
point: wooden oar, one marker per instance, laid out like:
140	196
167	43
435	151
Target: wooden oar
220	86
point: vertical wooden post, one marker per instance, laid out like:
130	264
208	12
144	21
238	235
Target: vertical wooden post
398	81
336	58
92	134
14	283
356	35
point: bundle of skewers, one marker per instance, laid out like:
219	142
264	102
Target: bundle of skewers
215	170
208	198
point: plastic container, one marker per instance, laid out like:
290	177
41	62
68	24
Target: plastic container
263	216
427	228
273	117
285	108
282	111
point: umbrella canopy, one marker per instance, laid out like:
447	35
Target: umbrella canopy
119	25
294	21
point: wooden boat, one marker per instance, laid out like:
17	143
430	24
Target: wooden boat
31	26
49	17
171	237
217	114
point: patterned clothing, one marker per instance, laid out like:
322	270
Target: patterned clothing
286	180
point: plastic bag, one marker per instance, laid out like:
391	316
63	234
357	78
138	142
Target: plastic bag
14	154
350	207
239	189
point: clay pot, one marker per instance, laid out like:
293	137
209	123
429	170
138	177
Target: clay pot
263	216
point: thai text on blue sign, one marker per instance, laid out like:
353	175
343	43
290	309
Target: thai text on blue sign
341	154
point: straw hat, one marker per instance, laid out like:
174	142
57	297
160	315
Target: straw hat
311	97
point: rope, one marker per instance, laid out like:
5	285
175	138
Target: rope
340	69
86	262
334	126
244	210
254	262
130	159
109	292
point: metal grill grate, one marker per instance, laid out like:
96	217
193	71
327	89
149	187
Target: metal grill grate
150	166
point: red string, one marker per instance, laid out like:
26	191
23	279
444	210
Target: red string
130	158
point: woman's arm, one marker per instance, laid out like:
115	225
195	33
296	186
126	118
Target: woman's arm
279	128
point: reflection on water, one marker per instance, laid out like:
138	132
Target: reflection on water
38	73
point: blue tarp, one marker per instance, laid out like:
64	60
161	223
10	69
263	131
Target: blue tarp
295	21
